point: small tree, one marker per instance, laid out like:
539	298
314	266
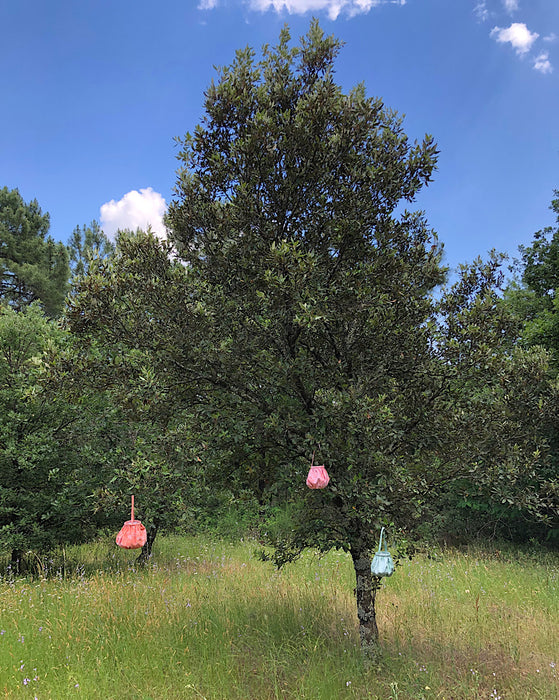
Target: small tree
324	334
87	243
135	332
32	266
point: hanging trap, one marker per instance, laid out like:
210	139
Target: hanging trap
318	476
382	564
133	534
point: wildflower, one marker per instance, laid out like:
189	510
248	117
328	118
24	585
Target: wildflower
26	681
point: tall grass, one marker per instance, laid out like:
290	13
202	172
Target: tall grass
208	620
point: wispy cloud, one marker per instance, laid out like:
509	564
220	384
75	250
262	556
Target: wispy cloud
300	7
510	5
135	210
518	35
481	11
542	63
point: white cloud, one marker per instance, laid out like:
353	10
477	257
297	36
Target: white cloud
135	210
550	37
510	5
542	63
207	4
518	35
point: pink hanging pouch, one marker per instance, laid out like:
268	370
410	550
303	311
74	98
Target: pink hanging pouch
133	534
318	476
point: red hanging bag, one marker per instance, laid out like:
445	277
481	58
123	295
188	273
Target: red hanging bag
318	476
133	534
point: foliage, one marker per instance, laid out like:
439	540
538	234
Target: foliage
533	299
86	244
32	266
135	329
45	478
284	219
540	261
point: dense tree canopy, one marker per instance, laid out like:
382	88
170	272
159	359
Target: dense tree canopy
33	267
533	297
135	332
46	475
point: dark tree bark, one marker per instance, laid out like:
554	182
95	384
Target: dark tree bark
17	561
145	554
366	587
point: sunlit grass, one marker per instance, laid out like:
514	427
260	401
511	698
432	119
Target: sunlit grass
208	620
482	626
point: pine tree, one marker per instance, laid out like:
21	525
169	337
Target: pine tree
33	267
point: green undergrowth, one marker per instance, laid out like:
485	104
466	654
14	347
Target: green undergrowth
207	619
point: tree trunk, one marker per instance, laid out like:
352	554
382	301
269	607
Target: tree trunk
145	554
17	562
366	589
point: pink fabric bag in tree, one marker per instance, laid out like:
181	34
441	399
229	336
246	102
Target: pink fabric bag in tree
133	534
318	476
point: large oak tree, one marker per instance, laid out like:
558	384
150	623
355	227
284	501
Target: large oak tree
326	333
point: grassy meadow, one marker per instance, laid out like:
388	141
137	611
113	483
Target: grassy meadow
207	619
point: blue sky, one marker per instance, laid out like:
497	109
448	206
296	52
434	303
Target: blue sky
94	92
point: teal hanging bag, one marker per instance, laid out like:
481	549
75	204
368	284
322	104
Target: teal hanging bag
382	564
